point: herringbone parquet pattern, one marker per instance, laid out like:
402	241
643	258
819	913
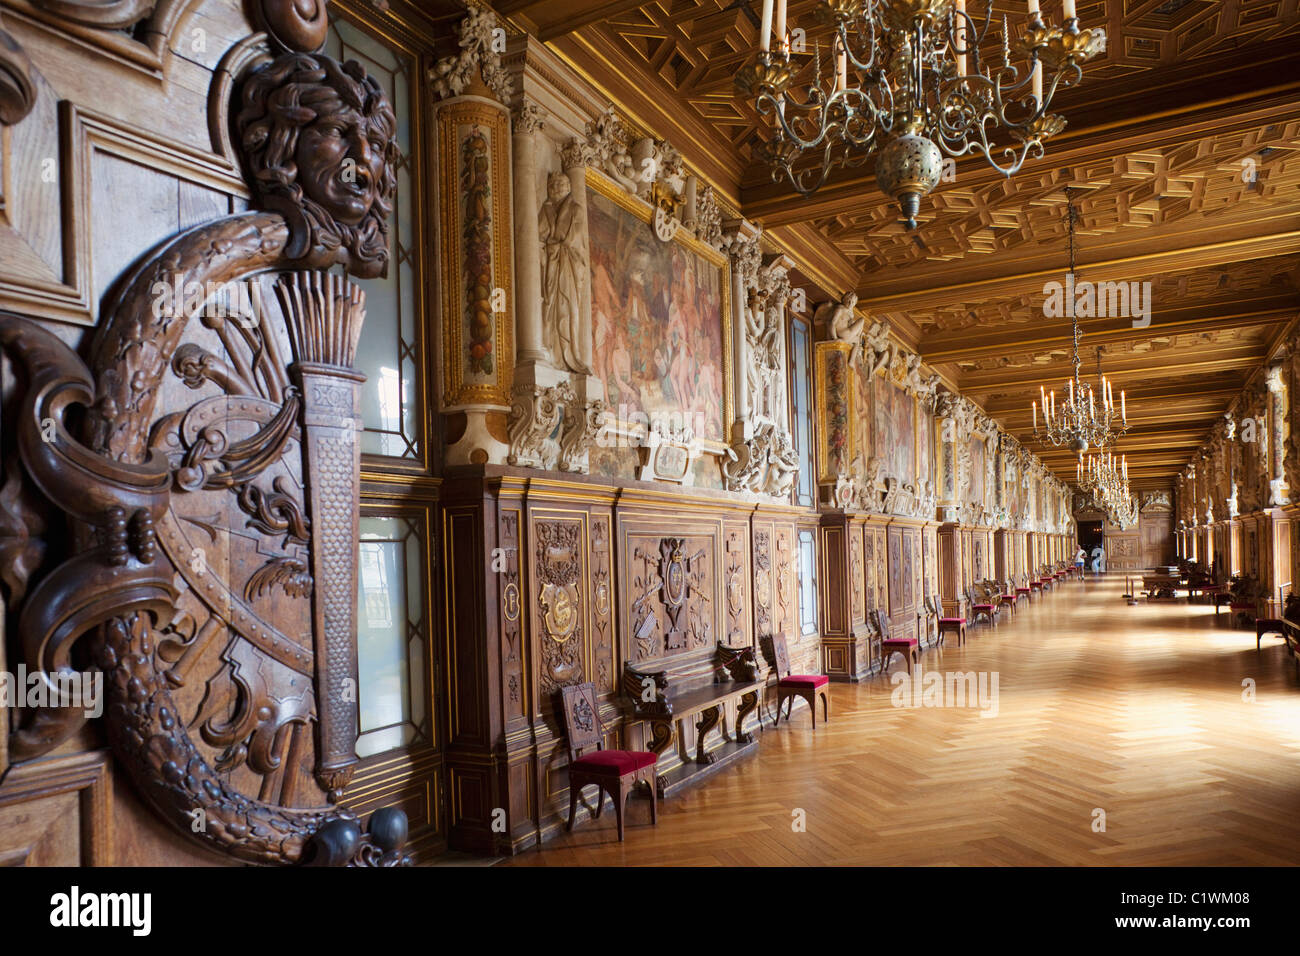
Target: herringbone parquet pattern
1138	712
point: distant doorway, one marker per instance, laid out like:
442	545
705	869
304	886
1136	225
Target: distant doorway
1091	538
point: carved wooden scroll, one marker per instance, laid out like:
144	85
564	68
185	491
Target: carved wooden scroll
209	460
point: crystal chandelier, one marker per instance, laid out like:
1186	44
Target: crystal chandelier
1087	417
911	84
1106	481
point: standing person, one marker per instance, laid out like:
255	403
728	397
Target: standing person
1080	557
1098	560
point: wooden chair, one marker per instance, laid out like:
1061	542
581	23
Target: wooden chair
909	647
616	772
1007	597
957	625
804	686
981	609
1287	609
1024	591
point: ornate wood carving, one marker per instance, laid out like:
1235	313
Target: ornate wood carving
17	91
602	602
763	580
560	603
214	485
671	590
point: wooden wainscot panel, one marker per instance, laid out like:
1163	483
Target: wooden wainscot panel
847	586
58	812
736	577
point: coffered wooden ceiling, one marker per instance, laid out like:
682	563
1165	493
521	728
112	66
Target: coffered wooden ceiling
1188	96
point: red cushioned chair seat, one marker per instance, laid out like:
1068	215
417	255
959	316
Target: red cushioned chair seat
899	642
804	680
952	620
615	762
982	607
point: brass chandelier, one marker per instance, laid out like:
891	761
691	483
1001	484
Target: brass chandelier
910	84
1087	417
1106	481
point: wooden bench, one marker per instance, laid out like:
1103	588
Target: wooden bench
651	697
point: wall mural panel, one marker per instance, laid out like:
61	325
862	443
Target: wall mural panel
895	417
660	319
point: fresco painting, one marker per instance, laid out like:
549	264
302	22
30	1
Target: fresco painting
896	428
657	330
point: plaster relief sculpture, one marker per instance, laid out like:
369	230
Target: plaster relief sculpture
564	270
840	321
479	51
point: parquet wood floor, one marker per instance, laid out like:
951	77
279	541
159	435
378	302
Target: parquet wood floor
1135	711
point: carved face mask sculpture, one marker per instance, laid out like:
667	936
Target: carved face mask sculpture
318	139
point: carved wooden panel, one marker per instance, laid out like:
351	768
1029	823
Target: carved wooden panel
671	586
58	813
764	597
602	605
559	604
861	572
512	603
834	580
736	579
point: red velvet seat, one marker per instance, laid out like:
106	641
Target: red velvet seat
615	761
982	609
955	625
909	647
616	772
804	686
804	680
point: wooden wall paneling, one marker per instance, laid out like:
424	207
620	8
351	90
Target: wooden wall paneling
859	575
558	606
1001	558
683	641
58	812
805	649
473	722
835	578
736	578
949	561
509	587
1156	529
1123	549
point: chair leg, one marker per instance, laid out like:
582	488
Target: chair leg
600	803
575	792
812	708
654	804
620	806
826	707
